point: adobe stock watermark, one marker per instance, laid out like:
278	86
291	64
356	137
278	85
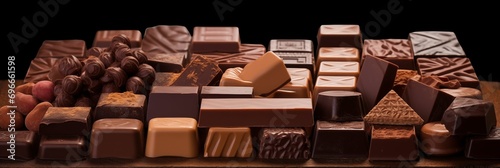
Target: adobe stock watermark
382	18
222	7
31	25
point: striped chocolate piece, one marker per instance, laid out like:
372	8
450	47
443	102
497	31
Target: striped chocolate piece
228	142
459	68
435	44
166	39
62	48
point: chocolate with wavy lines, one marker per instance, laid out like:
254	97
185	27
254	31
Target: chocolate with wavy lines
435	43
164	39
248	53
397	51
62	48
459	68
39	69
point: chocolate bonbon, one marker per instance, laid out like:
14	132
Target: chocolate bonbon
25	143
340	140
62	148
105	38
66	121
136	85
393	143
435	139
117	138
228	142
172	137
459	68
340	36
182	101
251	112
202	71
226	92
284	143
94	67
397	51
69	65
62	48
484	147
147	73
339	106
120	105
72	84
215	39
435	44
467	116
130	65
114	75
296	53
433	106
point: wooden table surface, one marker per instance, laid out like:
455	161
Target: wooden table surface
491	92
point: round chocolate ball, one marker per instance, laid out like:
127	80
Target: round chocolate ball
94	68
140	56
136	85
69	65
94	51
106	58
115	75
121	53
147	73
72	84
130	65
121	38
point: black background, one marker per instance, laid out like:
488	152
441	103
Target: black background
259	21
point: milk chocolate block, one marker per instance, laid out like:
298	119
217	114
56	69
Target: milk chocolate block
165	78
264	84
376	78
338	68
284	143
62	48
459	68
248	53
62	148
120	105
226	92
339	83
166	39
339	106
337	54
484	147
252	112
402	78
171	62
435	44
393	143
296	53
300	85
39	69
215	39
26	145
172	137
228	142
117	138
435	139
202	71
466	116
340	36
393	110
173	101
340	140
439	82
429	103
397	51
66	121
465	92
104	38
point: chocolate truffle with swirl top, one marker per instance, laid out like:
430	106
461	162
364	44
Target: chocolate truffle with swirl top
140	56
94	68
121	38
110	88
115	75
116	46
130	65
94	51
136	85
106	58
147	73
69	65
72	84
64	100
121	53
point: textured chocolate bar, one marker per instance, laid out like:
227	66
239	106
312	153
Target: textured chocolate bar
202	71
247	54
402	78
120	105
284	143
459	68
393	110
171	62
296	53
165	78
435	43
337	54
228	142
62	48
300	85
397	51
165	39
39	69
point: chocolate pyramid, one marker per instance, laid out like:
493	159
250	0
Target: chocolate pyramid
393	110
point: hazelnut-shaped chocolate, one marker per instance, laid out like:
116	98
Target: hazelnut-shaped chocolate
94	51
121	53
64	100
121	38
130	65
115	75
83	102
94	68
106	58
110	88
136	85
140	56
147	73
69	65
72	84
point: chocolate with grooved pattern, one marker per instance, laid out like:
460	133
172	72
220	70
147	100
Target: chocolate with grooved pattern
397	51
459	68
284	143
296	53
166	39
62	48
340	36
228	142
202	71
435	44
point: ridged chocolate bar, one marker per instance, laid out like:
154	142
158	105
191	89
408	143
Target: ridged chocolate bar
435	43
459	68
397	51
62	48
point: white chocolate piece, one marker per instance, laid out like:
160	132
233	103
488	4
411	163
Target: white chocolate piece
231	78
299	87
172	137
338	68
337	54
327	83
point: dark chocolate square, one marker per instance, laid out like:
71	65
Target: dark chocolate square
117	138
393	143
340	140
66	121
26	145
173	101
120	105
62	148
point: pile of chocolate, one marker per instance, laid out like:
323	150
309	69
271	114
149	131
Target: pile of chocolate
346	98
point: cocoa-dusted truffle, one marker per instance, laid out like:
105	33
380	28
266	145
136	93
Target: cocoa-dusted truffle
106	58
147	73
115	75
83	102
64	100
72	84
94	51
121	38
136	85
94	68
130	65
140	56
110	88
121	53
